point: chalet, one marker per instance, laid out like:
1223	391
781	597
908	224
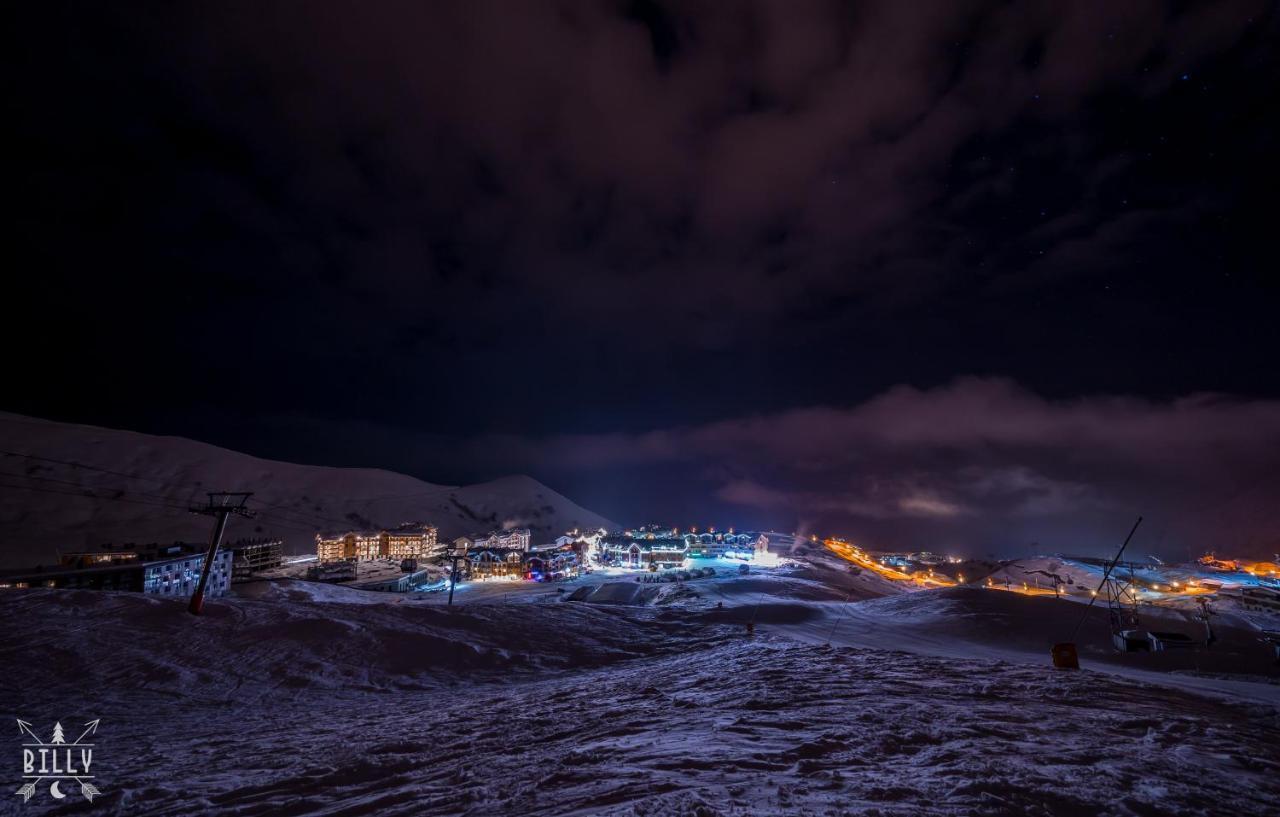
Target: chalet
591	537
587	541
506	539
494	563
649	547
555	562
720	545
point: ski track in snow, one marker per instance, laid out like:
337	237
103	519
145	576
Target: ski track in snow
288	706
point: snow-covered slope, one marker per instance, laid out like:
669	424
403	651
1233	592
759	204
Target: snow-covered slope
289	704
135	488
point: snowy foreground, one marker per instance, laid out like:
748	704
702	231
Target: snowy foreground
303	702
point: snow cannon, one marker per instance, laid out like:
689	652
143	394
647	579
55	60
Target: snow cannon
1064	656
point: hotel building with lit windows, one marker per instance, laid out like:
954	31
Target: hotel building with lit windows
409	541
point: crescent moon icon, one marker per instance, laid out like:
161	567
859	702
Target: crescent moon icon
53	789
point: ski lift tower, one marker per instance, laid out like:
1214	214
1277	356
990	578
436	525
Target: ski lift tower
1122	609
1064	653
220	506
1205	616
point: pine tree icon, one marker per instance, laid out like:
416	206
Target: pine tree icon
57	734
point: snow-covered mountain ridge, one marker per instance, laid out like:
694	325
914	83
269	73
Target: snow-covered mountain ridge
65	486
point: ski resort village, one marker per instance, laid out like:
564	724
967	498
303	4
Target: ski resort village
411	558
562	664
641	408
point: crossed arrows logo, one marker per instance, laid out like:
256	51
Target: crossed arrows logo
40	761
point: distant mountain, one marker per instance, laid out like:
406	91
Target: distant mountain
66	486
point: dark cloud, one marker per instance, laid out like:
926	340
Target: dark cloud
601	157
979	465
587	220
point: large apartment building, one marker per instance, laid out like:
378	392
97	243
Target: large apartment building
409	541
159	570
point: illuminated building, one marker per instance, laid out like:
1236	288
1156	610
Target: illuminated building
369	546
335	548
506	539
588	541
589	537
667	547
648	547
157	570
409	541
499	554
494	563
713	545
544	564
559	561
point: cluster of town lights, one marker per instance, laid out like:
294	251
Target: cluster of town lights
927	577
857	556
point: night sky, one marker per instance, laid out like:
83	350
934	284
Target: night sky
976	276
